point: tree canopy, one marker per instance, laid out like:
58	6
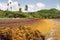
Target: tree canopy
44	13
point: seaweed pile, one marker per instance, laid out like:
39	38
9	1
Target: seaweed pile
20	33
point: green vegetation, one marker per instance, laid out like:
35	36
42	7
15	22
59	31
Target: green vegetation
51	13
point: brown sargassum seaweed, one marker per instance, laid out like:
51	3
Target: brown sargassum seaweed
20	33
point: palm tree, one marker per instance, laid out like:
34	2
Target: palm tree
19	5
10	2
7	5
11	8
19	8
26	7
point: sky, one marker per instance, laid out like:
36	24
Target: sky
33	5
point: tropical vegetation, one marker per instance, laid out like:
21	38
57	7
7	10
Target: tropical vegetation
44	13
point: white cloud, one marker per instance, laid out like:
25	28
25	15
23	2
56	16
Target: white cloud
36	7
15	6
40	5
58	6
3	6
31	8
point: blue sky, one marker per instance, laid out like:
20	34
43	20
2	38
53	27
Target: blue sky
49	3
37	4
